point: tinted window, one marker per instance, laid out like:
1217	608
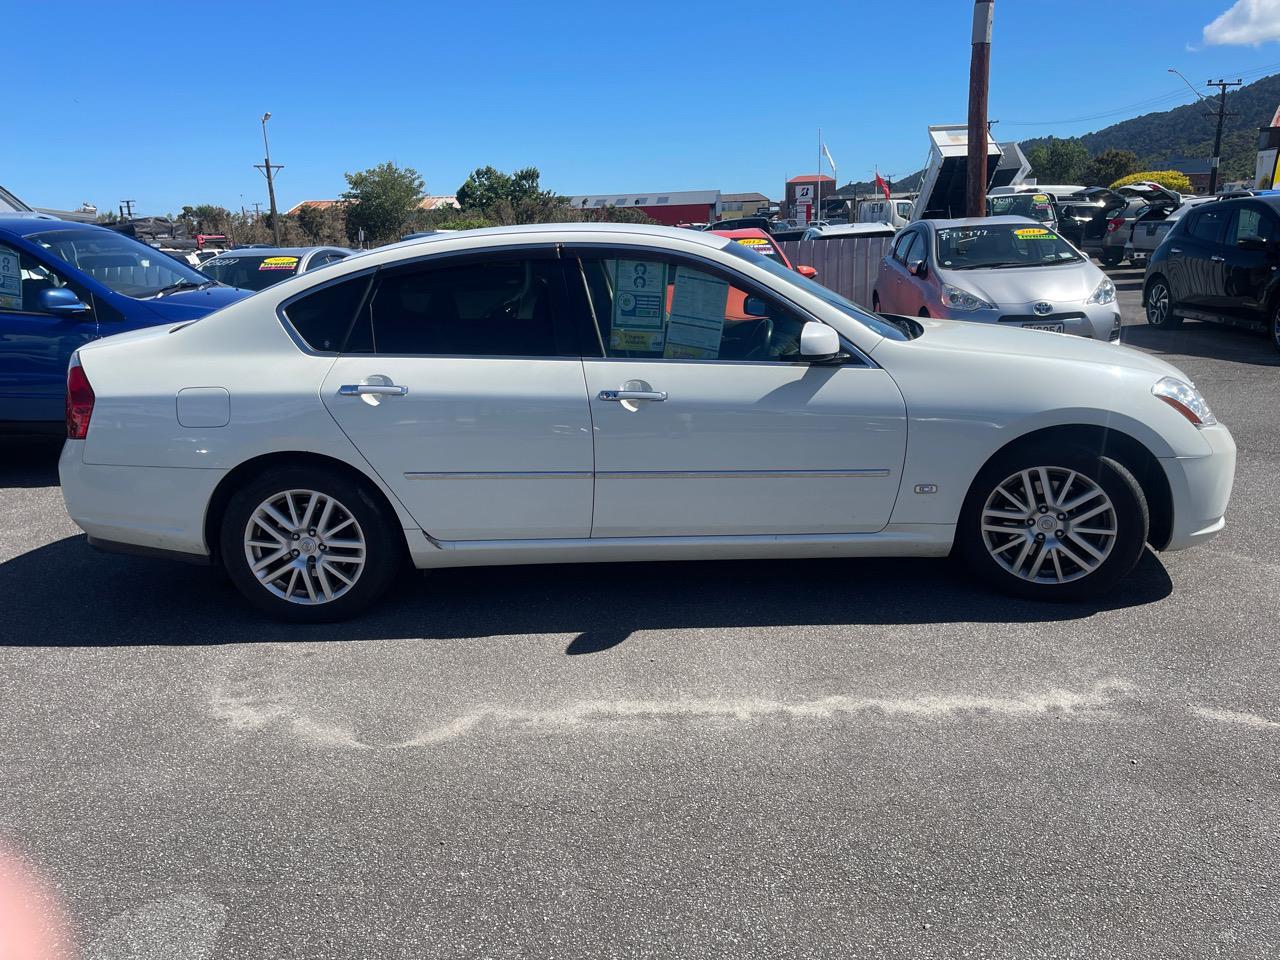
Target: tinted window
252	271
1208	224
323	318
661	309
488	308
1251	223
906	243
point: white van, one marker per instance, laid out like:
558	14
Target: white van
896	213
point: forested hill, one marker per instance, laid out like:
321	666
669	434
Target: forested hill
1157	138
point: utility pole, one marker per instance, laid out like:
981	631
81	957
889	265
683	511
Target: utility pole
269	171
979	77
1222	86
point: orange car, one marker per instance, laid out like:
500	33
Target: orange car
758	240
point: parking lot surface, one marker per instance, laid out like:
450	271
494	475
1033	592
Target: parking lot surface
783	759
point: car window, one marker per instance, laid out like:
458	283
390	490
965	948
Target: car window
23	278
475	308
902	248
1207	226
659	308
322	318
250	271
994	246
118	262
1252	223
904	209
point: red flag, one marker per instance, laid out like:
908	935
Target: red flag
882	185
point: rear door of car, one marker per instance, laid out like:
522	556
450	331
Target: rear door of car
461	383
1251	262
1197	258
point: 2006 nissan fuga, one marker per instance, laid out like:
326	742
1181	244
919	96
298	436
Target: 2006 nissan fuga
596	392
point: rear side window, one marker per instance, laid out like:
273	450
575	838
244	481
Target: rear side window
1208	224
903	248
485	308
323	318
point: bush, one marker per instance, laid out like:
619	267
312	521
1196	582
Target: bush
1171	179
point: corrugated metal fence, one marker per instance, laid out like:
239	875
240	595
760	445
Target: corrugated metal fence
848	265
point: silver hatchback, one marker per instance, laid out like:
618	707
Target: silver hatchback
1007	270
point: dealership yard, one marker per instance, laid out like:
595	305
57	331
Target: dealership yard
808	759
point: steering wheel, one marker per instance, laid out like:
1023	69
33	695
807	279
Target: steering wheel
760	341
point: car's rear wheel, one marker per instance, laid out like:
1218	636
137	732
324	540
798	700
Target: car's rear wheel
1053	522
875	302
1111	257
1160	306
309	545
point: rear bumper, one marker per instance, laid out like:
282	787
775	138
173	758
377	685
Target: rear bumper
156	509
1201	487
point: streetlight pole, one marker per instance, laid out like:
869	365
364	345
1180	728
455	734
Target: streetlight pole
269	171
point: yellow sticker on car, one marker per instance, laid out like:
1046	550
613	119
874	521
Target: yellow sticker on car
753	241
1034	233
1041	198
278	263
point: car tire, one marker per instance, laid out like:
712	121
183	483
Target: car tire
1110	257
1275	327
1061	547
1159	306
875	302
924	312
342	550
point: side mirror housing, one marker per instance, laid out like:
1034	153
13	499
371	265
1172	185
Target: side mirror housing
819	343
806	271
918	268
754	306
61	301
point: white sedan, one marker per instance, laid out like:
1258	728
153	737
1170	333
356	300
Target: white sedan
593	392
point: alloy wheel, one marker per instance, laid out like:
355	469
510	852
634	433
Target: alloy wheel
304	546
1049	525
1158	305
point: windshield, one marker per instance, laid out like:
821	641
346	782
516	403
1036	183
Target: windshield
827	295
1037	206
118	262
997	245
250	271
760	245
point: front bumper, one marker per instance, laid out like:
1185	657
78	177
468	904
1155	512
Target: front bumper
1095	321
154	508
1201	487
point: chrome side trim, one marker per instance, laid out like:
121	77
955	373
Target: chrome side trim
500	475
737	474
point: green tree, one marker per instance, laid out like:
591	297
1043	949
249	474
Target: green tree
1059	161
508	198
1110	165
1173	179
381	201
323	225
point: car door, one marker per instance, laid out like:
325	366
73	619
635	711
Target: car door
709	425
1250	263
901	300
35	342
1197	278
461	384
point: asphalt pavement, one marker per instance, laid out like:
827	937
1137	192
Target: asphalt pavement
871	758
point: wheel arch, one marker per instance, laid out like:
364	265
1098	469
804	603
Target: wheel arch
1146	286
1121	447
255	466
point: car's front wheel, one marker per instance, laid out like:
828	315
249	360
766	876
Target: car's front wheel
1053	522
1160	306
309	544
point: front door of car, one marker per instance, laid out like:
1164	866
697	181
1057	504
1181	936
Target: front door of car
708	424
1197	280
461	383
38	334
902	299
1250	264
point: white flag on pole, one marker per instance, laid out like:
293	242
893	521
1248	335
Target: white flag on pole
829	160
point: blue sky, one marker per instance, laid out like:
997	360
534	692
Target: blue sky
601	97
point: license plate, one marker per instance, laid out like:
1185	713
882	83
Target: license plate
1051	327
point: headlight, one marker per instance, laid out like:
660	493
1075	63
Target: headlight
1105	293
959	299
1186	399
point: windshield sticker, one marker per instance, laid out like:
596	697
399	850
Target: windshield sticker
642	341
278	263
759	245
1041	198
1034	233
220	262
697	316
10	280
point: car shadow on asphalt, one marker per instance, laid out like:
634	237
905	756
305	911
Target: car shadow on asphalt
68	594
1209	340
29	461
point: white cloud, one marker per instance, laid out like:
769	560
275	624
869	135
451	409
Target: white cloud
1248	22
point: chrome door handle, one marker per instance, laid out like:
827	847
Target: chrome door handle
1218	259
1175	249
371	390
618	395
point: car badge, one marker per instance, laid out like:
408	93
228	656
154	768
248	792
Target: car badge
1043	309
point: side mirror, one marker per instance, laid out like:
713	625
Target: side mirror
754	306
819	343
918	268
806	271
61	301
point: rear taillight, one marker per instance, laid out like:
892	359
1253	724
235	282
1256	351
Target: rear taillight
79	400
1115	224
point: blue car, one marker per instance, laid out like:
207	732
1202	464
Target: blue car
63	284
